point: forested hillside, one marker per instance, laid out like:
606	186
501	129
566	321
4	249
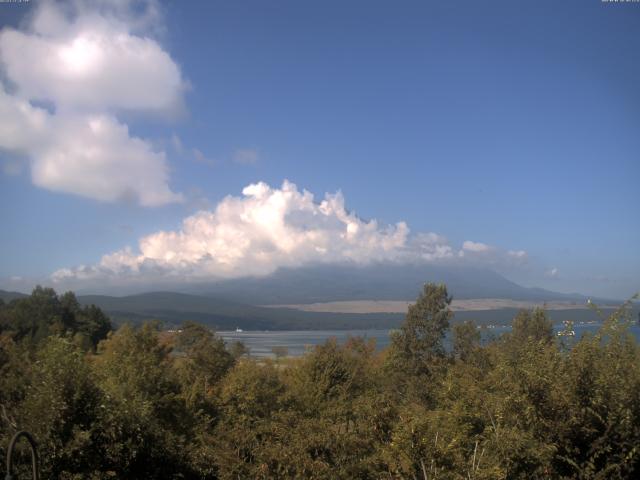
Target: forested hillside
139	403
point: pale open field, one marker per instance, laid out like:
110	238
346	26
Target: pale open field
394	306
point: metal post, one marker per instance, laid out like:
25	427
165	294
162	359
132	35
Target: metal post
34	455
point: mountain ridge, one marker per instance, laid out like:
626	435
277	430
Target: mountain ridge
328	283
265	303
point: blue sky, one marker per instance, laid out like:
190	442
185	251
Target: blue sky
514	125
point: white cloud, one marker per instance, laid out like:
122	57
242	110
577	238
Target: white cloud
22	126
476	247
430	247
517	258
88	61
478	252
552	273
92	67
264	229
96	157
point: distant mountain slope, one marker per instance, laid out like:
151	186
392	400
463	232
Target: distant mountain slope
236	303
374	282
175	308
8	296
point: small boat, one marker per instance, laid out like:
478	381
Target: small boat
238	330
565	333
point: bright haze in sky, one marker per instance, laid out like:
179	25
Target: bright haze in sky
145	141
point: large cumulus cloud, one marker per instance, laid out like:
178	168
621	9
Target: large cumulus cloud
267	228
70	72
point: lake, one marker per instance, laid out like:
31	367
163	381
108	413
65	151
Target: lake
299	341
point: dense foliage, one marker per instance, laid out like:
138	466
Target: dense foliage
141	403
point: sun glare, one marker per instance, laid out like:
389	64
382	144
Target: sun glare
80	56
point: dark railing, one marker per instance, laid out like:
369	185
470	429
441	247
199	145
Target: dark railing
34	455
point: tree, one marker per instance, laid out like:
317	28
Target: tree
61	408
44	313
250	399
144	424
162	406
206	360
599	434
35	317
238	349
466	340
417	349
532	326
92	323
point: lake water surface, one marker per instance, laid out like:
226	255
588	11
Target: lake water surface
299	341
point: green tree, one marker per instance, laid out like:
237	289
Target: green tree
417	353
144	424
339	412
60	409
250	400
35	317
466	340
93	324
44	313
238	350
599	434
532	326
206	360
